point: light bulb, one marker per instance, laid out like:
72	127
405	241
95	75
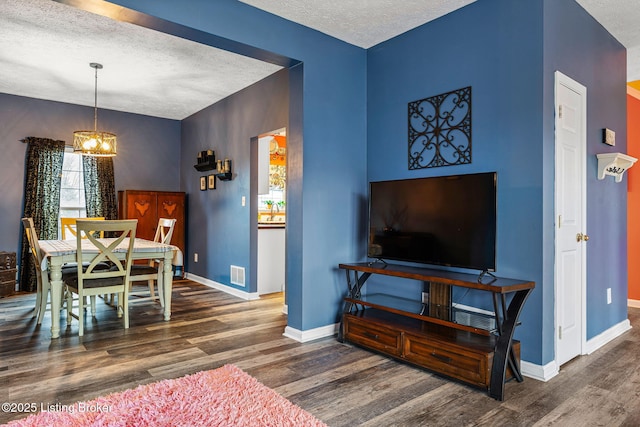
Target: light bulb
90	144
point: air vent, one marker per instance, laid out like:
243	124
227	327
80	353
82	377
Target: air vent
477	319
237	275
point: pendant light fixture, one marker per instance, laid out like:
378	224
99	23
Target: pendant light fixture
93	142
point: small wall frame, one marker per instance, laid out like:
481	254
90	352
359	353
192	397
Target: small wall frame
440	130
211	182
203	183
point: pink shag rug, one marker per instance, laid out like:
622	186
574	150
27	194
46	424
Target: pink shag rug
226	396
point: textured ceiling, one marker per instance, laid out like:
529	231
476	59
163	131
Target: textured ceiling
366	23
620	18
46	48
363	23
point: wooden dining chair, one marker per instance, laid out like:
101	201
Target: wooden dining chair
42	278
152	271
68	226
91	281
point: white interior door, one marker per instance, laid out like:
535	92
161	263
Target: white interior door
570	206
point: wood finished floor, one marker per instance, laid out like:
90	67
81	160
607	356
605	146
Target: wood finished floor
340	384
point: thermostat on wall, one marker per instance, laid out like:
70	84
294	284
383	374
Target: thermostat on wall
608	137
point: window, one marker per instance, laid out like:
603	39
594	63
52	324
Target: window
276	196
72	202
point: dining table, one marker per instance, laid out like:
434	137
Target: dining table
56	253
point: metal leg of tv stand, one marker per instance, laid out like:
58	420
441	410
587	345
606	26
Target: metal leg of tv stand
504	355
354	285
500	310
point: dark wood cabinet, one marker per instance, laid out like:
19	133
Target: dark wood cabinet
148	206
7	273
472	347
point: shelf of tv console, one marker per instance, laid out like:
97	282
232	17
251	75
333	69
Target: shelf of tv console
452	317
434	337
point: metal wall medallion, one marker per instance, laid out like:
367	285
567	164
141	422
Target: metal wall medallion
440	130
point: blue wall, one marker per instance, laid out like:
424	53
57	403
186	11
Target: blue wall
326	146
347	125
219	226
146	146
500	49
493	47
507	51
580	48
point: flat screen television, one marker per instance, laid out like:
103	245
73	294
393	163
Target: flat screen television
445	221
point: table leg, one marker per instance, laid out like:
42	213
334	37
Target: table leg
56	295
167	283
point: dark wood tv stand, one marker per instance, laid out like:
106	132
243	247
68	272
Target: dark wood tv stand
433	335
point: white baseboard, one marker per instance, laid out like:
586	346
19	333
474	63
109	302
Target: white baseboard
539	372
311	334
289	332
633	303
222	287
551	369
615	331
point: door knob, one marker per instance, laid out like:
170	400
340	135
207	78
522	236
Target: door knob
581	237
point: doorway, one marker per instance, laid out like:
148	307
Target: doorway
272	212
570	218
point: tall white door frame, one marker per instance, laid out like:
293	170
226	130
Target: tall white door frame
570	219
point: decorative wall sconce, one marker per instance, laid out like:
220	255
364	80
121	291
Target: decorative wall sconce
614	164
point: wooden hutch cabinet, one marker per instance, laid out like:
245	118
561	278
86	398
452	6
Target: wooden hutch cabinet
148	206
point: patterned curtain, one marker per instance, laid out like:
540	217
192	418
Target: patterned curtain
43	170
99	187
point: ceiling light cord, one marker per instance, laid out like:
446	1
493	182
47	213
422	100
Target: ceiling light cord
96	67
95	103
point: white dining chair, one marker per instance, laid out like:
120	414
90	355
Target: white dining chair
152	271
91	281
42	278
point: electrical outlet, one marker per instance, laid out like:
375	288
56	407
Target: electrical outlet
244	200
608	295
195	257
